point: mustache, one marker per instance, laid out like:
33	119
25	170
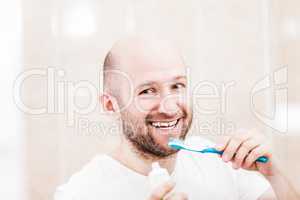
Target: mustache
165	116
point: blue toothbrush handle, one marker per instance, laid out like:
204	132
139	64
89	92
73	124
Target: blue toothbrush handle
262	159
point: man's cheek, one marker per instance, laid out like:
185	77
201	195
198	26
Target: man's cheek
144	105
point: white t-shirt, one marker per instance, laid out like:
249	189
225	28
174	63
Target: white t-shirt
200	176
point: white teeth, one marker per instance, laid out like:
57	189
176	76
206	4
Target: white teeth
164	124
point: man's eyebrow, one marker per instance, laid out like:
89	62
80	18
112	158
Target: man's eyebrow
179	77
147	83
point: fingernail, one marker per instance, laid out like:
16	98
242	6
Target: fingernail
225	158
234	165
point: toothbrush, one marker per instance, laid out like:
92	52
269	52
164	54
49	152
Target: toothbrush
178	144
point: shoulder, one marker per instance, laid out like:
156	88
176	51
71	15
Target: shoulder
246	184
209	162
82	182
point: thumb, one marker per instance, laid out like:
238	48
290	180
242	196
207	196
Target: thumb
162	190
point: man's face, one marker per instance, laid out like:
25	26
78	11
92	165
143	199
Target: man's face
152	94
157	109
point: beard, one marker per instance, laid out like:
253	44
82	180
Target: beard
143	142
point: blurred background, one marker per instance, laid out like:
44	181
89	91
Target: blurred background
249	50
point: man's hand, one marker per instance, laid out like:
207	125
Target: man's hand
244	149
165	192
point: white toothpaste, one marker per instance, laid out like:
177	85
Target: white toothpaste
157	175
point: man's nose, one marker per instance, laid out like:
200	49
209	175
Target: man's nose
169	105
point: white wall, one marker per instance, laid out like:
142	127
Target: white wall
12	169
222	41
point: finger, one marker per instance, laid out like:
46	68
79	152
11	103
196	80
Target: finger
225	140
177	196
253	167
260	150
221	145
162	190
233	146
243	152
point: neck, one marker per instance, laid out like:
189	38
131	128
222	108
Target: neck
127	156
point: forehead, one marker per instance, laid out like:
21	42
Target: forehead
148	60
153	67
157	75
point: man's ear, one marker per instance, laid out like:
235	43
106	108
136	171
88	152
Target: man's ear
109	103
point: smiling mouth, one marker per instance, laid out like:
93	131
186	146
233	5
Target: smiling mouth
165	125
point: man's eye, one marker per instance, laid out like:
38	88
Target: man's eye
178	86
148	91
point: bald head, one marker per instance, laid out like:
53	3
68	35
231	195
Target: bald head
133	55
137	50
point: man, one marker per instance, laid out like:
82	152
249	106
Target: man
145	84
